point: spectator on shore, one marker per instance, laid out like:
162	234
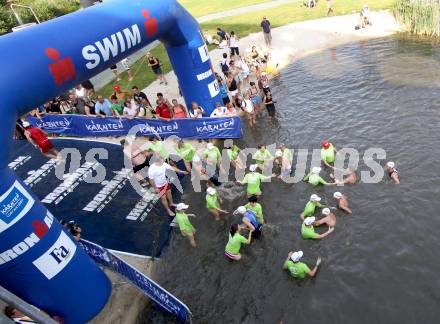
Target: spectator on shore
179	111
330	7
16	316
224	64
65	107
130	109
139	95
219	111
270	105
232	86
145	109
196	111
265	25
223	89
230	110
103	107
126	67
79	105
52	107
244	70
74	229
90	88
155	64
263	83
114	69
209	39
233	45
117	108
163	110
248	107
80	92
121	95
255	97
222	34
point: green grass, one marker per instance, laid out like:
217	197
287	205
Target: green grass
200	8
244	25
248	23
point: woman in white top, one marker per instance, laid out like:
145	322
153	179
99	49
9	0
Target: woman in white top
248	107
196	111
130	109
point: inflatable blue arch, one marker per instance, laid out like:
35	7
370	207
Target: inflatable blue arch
39	261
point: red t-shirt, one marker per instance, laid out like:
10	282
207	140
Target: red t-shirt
163	110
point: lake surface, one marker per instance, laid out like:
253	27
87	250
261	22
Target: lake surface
381	264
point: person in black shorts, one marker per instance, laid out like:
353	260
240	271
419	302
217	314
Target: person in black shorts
154	63
270	104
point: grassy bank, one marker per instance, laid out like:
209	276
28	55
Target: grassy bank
246	24
421	17
200	8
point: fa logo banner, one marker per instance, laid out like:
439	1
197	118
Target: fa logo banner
62	70
150	24
57	257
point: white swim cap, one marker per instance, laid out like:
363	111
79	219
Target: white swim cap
316	170
240	210
278	153
309	221
326	211
211	191
253	167
391	165
196	159
315	198
337	195
181	206
296	256
210	146
26	124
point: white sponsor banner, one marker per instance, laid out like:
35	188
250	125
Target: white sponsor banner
204	54
14	204
57	257
214	89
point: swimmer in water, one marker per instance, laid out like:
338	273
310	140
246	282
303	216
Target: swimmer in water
232	249
308	231
284	158
329	218
392	172
342	202
185	225
256	207
250	220
309	209
328	153
314	179
297	269
213	203
253	180
350	179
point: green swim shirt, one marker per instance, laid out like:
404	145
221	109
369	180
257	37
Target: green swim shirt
260	157
287	154
233	153
234	243
328	155
211	201
308	232
186	152
213	156
253	180
159	148
298	270
309	210
258	210
184	224
314	179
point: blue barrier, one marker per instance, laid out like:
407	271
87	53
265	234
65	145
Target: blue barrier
41	62
76	125
165	300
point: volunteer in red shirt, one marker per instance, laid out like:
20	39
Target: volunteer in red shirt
163	109
39	139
